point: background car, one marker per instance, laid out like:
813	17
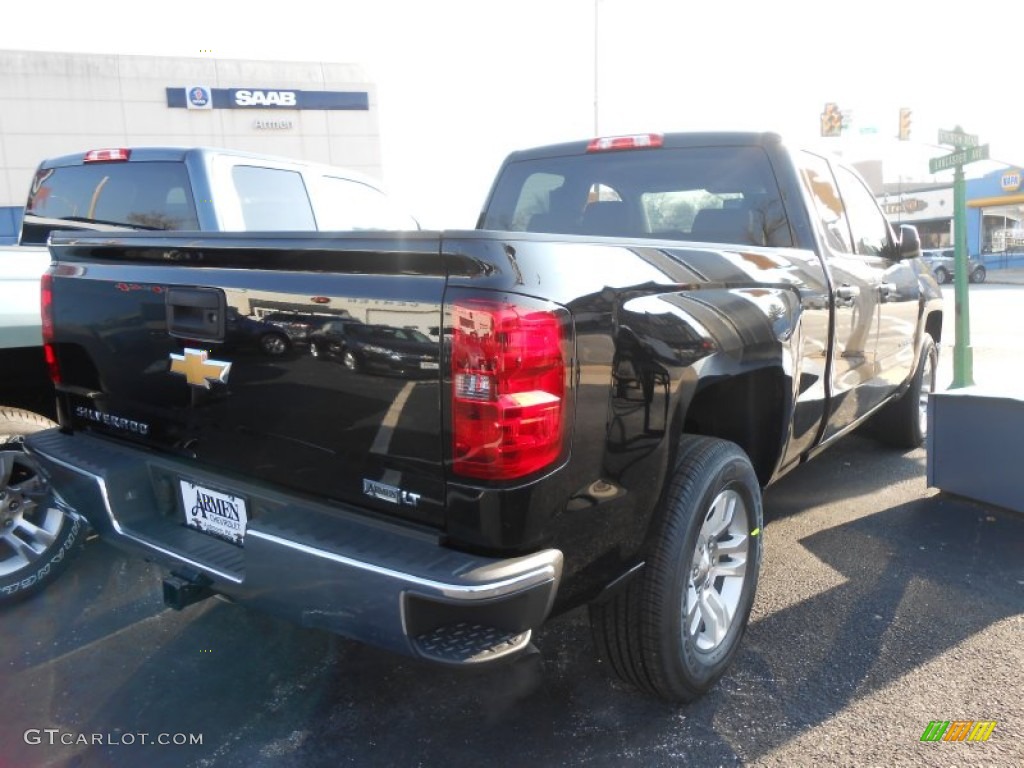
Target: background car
243	331
382	348
296	326
942	263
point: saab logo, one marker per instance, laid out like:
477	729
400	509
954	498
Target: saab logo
958	730
1010	181
198	370
198	97
245	98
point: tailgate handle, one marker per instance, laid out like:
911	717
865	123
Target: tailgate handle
196	313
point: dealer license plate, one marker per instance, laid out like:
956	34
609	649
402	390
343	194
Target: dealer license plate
218	514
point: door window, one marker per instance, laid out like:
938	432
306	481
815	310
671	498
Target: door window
871	233
272	199
817	177
348	205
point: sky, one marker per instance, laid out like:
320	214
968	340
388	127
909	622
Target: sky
461	84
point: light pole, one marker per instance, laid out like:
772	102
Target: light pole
596	28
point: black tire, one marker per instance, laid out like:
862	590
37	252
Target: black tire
978	275
904	422
38	539
314	350
274	344
641	630
941	276
350	360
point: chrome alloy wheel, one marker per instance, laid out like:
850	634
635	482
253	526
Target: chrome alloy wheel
717	571
927	387
28	525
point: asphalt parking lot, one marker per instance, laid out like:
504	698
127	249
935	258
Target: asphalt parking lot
883	605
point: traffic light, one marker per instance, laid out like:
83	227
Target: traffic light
904	124
831	120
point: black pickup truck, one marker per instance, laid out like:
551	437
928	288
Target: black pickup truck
642	333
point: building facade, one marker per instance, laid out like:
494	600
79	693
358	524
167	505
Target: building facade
930	209
995	215
58	103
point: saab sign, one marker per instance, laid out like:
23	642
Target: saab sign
201	97
247	98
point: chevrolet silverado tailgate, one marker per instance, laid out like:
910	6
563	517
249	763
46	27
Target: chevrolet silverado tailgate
232	352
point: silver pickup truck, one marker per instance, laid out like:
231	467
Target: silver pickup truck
143	188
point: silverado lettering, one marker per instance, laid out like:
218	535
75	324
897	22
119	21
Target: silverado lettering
119	422
579	402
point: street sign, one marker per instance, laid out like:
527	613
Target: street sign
958	139
961	157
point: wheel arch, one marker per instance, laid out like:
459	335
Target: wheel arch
748	409
933	325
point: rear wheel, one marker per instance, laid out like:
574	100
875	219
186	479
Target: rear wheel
978	274
675	627
349	360
904	422
941	276
37	538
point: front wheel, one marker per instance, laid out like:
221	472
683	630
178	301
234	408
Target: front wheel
676	626
37	538
978	275
904	422
941	276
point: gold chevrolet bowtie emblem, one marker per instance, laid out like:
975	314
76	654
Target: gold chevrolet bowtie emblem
198	370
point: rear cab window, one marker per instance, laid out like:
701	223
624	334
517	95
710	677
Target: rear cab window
142	195
710	194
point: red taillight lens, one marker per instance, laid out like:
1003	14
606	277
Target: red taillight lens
106	155
508	389
46	295
638	141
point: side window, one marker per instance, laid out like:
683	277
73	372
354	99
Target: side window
871	234
272	199
817	177
345	205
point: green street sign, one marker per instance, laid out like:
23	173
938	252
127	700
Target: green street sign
961	157
958	139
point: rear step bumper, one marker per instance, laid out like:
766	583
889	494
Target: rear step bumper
329	567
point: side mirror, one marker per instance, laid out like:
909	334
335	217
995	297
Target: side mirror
910	242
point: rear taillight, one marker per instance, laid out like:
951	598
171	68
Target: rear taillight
508	389
106	155
46	296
